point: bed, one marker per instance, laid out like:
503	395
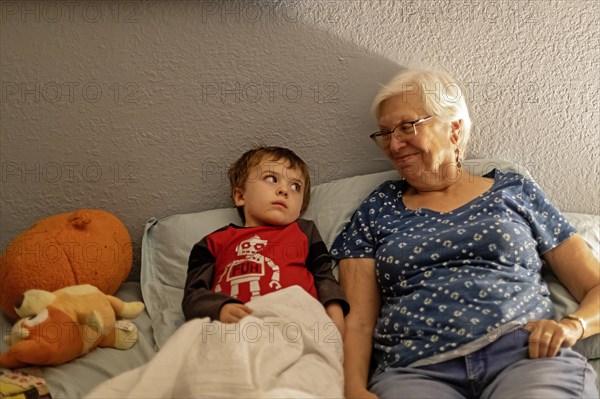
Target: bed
165	248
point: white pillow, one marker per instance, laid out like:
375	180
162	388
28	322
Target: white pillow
167	243
166	247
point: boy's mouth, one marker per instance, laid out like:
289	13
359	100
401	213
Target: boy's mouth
279	203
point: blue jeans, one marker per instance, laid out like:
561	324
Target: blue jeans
502	369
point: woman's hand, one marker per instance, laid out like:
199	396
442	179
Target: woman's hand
233	312
548	336
360	394
336	314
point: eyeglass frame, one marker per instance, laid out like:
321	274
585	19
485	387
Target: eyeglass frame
400	136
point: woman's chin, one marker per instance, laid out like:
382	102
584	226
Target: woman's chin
408	168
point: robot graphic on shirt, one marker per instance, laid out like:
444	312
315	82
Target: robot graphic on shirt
250	269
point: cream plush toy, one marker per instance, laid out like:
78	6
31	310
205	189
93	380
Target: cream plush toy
59	326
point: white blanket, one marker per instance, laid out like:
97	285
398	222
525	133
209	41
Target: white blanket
287	347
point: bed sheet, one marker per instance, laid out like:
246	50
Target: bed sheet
288	348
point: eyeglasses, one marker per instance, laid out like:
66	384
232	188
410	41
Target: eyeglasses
404	131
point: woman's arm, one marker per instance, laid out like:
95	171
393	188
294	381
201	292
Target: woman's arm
357	277
579	271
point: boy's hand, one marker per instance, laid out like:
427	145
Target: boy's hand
336	314
233	312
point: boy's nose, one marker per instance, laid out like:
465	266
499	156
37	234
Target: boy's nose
282	191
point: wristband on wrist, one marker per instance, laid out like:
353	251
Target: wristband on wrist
580	320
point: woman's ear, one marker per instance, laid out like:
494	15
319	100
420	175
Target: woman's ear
238	197
456	129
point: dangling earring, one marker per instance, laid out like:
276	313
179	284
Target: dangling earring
458	158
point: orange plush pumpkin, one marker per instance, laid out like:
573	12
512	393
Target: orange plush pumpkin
83	247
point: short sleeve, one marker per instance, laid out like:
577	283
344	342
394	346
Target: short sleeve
358	238
548	226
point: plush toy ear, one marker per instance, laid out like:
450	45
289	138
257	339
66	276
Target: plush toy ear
125	310
17	334
33	302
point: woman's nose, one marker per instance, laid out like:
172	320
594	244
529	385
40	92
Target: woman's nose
396	143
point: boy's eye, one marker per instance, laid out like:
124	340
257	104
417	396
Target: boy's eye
296	187
270	179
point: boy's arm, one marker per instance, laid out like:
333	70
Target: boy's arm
330	294
198	299
328	288
320	264
336	314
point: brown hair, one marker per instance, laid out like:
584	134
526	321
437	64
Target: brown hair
239	170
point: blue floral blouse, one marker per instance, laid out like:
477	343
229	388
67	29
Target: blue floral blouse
448	279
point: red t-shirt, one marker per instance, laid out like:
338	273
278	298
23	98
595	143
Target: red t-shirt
255	261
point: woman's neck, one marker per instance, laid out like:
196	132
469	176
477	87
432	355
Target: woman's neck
446	195
444	179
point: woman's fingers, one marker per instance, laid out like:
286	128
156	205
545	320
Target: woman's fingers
546	339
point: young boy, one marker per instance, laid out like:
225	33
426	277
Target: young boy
270	187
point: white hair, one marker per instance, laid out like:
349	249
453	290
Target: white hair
441	94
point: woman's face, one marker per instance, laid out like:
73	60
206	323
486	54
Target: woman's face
433	147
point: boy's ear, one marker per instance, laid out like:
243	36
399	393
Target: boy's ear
238	197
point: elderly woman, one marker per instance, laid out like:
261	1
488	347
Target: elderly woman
442	268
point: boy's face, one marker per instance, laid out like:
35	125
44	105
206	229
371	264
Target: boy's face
272	195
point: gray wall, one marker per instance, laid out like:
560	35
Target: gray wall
138	107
